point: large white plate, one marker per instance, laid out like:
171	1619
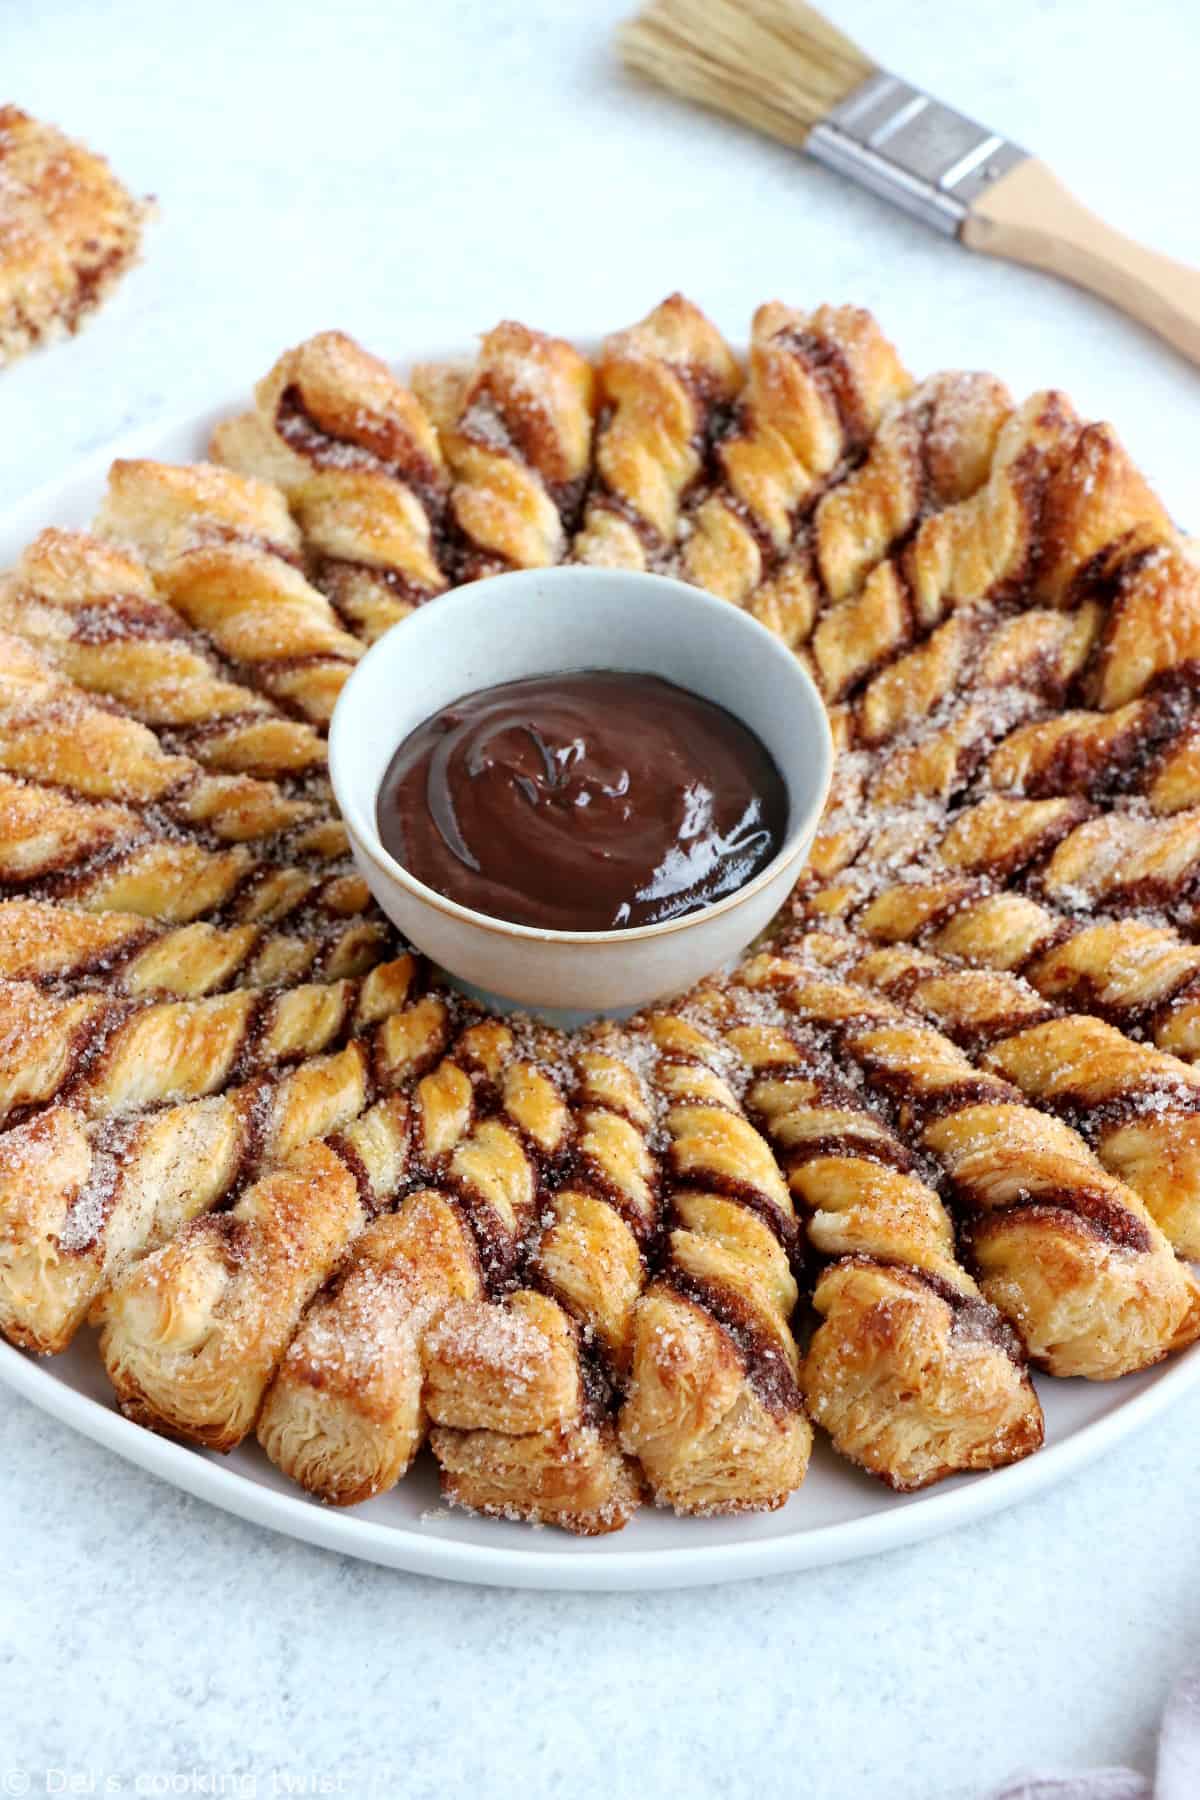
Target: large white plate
837	1515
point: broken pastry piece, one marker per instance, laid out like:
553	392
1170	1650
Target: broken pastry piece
68	232
360	462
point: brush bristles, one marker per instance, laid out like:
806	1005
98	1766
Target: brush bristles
775	64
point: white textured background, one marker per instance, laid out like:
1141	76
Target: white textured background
412	172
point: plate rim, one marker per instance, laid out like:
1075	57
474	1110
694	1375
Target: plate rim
403	1547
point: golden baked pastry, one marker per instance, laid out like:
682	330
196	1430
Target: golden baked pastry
517	434
660	385
224	551
93	611
713	1409
1067	1253
82	1198
68	232
913	1374
362	467
863	1182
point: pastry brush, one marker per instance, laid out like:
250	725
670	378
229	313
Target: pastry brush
782	67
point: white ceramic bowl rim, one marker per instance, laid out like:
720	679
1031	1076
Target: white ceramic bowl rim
363	822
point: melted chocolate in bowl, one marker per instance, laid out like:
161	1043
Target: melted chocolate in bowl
591	801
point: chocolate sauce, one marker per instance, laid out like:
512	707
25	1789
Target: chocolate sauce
583	802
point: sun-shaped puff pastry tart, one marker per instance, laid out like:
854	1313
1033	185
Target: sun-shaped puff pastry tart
941	1130
68	232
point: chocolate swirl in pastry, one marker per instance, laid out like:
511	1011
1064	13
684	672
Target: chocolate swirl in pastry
61	948
347	1411
932	449
517	435
660	387
1065	1251
1132	972
526	1385
101	856
913	1374
1138	1107
982	547
109	1057
68	232
192	1336
223	550
713	1409
81	1201
51	732
818	384
91	609
360	462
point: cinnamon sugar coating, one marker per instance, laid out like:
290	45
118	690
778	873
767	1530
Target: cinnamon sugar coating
68	232
942	1129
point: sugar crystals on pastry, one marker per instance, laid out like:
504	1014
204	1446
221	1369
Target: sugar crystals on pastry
660	386
516	430
713	1409
360	461
68	232
224	551
92	609
914	1375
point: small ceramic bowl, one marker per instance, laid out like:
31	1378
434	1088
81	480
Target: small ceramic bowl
538	623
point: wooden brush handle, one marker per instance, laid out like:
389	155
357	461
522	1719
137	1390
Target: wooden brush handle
1029	217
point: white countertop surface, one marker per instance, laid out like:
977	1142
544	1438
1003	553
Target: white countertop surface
411	173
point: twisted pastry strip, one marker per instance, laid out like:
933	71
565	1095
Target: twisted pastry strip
932	449
817	388
660	385
192	1336
913	1374
346	1413
127	954
1139	1108
1106	534
1067	1253
92	611
713	1409
71	230
1149	747
99	856
1133	973
359	460
526	1386
978	649
51	732
222	551
109	1057
81	1201
517	435
982	547
931	717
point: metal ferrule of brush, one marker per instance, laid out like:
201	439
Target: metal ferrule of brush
916	152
